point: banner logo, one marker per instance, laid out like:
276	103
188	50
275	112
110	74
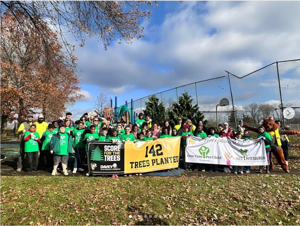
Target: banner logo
97	154
204	151
243	151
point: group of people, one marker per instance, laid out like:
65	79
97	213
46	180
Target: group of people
48	146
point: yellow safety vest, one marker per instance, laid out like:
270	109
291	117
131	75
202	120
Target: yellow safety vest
276	133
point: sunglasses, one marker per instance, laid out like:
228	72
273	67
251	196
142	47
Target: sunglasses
96	120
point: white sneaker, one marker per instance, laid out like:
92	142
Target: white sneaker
235	172
241	172
203	170
80	170
66	173
53	173
74	170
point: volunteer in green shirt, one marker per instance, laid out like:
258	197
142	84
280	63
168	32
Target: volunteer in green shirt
31	139
141	137
174	133
212	132
200	133
165	133
127	136
140	120
80	153
186	132
90	136
61	144
114	136
120	130
149	135
268	140
46	158
103	135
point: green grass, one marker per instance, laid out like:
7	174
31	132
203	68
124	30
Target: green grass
251	199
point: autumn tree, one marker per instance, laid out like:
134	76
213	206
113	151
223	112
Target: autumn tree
101	103
107	20
31	80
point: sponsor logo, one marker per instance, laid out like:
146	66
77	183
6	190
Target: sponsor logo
243	151
203	151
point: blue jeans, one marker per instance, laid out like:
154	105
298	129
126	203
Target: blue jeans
79	157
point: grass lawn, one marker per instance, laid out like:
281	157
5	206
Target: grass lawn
249	199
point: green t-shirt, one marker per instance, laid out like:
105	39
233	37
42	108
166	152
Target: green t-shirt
148	138
102	138
87	123
55	130
248	137
78	138
91	136
165	136
215	135
140	122
128	137
142	139
64	143
46	144
265	135
121	133
113	138
201	134
31	145
68	129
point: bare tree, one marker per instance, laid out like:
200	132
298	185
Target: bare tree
101	103
254	112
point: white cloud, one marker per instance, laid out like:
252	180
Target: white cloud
195	42
86	95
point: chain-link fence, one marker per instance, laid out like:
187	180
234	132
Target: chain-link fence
262	93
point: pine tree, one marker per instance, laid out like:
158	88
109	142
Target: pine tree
155	110
185	110
97	154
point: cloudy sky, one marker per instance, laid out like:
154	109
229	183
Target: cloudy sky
192	41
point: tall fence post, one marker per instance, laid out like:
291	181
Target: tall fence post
232	99
279	85
196	94
131	111
116	110
177	94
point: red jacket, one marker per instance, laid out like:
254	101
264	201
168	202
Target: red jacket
228	134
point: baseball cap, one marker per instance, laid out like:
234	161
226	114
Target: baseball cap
68	113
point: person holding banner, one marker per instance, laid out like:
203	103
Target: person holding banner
186	133
226	132
155	131
268	140
200	133
149	135
245	137
88	137
238	169
212	133
141	137
165	133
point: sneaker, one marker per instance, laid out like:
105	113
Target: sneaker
247	171
19	169
242	172
125	175
74	170
203	170
54	173
80	170
66	173
140	174
235	172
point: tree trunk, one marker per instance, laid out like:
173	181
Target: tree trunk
3	125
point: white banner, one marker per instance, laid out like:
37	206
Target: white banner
226	151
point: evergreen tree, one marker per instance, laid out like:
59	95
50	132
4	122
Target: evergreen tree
155	110
97	154
185	110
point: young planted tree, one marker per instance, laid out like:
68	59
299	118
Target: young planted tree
155	110
185	110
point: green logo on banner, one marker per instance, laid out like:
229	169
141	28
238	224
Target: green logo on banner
243	152
97	154
204	151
